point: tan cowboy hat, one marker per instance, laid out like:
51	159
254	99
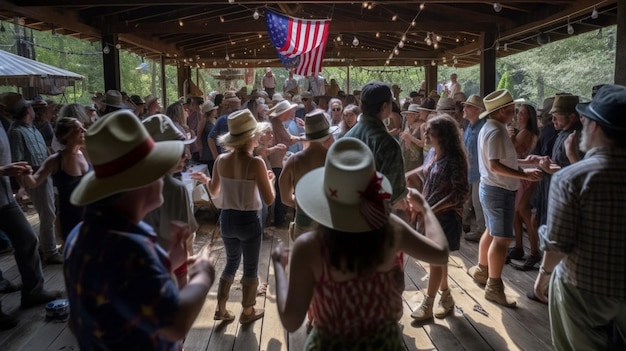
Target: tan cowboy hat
241	127
446	105
415	108
497	100
564	103
113	98
124	157
474	100
281	107
150	99
162	128
316	127
208	106
347	194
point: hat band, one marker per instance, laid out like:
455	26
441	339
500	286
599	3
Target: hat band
242	133
317	135
125	161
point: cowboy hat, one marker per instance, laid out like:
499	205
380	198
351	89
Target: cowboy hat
281	107
161	128
564	103
497	100
547	105
415	108
150	99
124	157
446	105
137	100
113	98
347	194
474	100
428	104
316	127
607	107
208	106
14	103
241	127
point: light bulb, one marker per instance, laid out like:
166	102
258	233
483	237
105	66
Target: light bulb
231	1
396	51
438	37
435	45
106	50
387	62
355	41
594	13
497	46
444	59
422	5
222	19
226	57
401	44
214	63
377	35
433	63
339	37
370	6
455	61
506	47
403	37
497	7
255	15
180	23
570	29
478	52
429	42
413	23
118	46
394	17
364	4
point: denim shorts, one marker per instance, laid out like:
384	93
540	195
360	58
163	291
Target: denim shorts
498	208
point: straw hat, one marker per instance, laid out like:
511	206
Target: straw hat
208	106
124	157
474	100
281	107
415	108
150	99
565	103
161	128
497	100
607	107
241	127
446	105
347	194
316	127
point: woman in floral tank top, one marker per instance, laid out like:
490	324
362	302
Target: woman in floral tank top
348	273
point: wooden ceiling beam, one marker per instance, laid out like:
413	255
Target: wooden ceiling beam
74	3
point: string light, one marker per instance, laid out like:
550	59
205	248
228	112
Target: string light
118	46
433	63
594	13
401	44
180	23
222	19
394	17
377	33
570	28
355	41
497	7
255	15
231	1
396	51
106	49
422	5
365	4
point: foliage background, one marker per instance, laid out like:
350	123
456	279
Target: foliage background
571	65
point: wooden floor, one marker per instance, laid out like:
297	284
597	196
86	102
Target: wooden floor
523	328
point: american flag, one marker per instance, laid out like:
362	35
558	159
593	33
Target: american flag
299	43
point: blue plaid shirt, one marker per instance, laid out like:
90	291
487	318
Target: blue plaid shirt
27	144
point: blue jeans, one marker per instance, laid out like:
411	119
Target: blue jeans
242	234
499	208
280	210
25	244
43	200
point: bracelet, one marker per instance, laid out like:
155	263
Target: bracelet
542	271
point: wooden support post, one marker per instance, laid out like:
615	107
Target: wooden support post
620	49
488	64
430	74
163	83
111	62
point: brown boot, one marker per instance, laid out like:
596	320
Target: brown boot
223	291
494	291
479	273
248	300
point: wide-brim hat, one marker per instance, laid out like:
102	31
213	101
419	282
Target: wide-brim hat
208	106
497	100
162	128
124	157
564	103
316	127
415	108
428	104
547	105
347	194
446	105
150	99
113	98
137	100
474	100
14	102
306	95
241	127
281	107
607	107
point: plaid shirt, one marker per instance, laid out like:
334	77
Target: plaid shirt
587	222
27	144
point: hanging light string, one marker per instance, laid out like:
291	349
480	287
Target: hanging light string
396	50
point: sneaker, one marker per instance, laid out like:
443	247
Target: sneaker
44	296
530	263
514	253
479	273
494	291
473	236
7	287
55	258
425	310
445	305
7	321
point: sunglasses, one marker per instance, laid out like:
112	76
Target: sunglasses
337	109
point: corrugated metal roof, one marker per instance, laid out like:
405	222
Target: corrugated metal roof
23	72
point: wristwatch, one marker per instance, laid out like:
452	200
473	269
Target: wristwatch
542	271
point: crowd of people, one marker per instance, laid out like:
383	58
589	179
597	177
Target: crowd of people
399	177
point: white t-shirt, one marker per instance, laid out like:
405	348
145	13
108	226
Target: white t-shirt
494	144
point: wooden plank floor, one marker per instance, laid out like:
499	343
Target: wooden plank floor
523	328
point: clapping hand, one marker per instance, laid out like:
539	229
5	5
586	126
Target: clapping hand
180	233
281	254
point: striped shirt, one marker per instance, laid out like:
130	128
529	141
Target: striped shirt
587	222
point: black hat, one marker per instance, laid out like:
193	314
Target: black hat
374	93
413	94
607	107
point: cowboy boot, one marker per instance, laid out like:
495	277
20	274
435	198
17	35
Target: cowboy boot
494	291
249	290
223	291
445	305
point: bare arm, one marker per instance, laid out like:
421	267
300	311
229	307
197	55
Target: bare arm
48	167
532	175
213	148
286	182
264	180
